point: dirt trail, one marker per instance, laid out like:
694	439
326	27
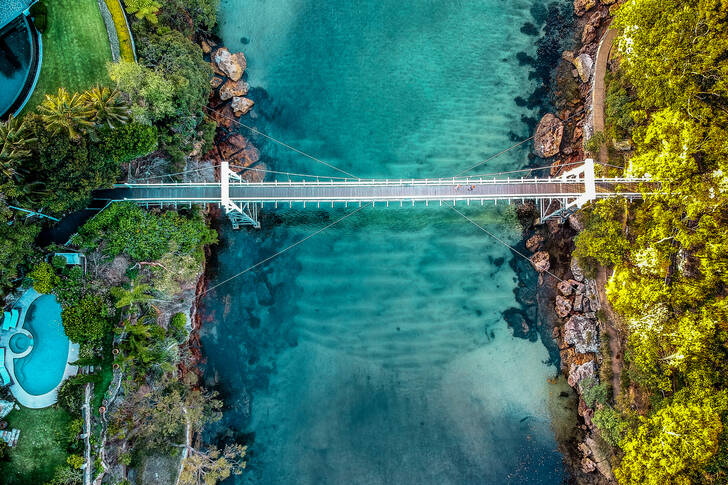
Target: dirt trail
610	327
599	88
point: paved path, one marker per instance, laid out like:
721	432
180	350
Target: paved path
599	88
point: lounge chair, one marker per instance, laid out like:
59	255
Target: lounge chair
14	316
4	376
6	321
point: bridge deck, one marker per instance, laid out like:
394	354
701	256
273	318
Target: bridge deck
363	191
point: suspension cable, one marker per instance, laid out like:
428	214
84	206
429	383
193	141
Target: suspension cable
499	239
263	261
280	142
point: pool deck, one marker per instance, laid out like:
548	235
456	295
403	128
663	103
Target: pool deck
20	394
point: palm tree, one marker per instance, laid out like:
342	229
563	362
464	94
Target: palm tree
106	106
136	294
16	139
65	112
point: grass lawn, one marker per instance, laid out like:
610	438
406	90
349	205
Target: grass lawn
41	447
75	48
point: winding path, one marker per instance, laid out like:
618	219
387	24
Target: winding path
599	87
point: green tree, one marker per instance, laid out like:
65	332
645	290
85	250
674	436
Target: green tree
44	277
143	9
211	466
106	107
671	445
66	113
16	140
88	320
150	94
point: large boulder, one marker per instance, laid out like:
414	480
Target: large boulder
576	270
232	65
233	88
583	6
581	332
541	261
534	242
584	65
549	133
563	306
241	105
578	373
565	288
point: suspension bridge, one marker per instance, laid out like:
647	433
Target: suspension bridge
241	200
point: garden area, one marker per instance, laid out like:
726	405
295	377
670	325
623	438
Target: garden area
45	435
75	48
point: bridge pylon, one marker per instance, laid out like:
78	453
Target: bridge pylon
568	205
239	215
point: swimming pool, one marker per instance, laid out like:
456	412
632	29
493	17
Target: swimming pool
42	369
16	53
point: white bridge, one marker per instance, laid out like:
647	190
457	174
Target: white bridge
241	200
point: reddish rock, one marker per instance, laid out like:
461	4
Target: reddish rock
241	106
583	6
541	261
549	133
224	116
563	306
206	47
233	88
565	288
232	145
215	82
257	175
534	242
232	65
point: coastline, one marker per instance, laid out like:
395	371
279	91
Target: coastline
575	112
574	305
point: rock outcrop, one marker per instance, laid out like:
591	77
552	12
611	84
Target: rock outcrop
549	133
233	88
231	65
584	65
241	105
541	261
581	332
583	6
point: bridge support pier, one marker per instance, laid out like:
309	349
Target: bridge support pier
245	215
566	207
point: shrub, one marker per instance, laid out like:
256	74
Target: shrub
86	321
610	424
126	142
593	392
178	327
122	30
58	262
143	236
76	461
44	277
594	144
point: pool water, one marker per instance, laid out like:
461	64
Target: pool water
42	369
15	57
19	343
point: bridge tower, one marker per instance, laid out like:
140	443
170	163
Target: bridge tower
568	206
245	215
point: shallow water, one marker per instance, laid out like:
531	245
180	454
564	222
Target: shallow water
377	352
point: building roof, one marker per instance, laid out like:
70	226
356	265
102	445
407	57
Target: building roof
11	9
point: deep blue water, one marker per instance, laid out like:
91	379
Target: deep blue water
15	50
377	352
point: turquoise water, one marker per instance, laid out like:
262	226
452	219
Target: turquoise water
15	53
42	369
19	343
378	351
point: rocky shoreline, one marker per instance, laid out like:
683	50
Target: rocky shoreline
567	298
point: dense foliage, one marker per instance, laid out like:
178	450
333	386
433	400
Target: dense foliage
145	236
88	320
669	254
